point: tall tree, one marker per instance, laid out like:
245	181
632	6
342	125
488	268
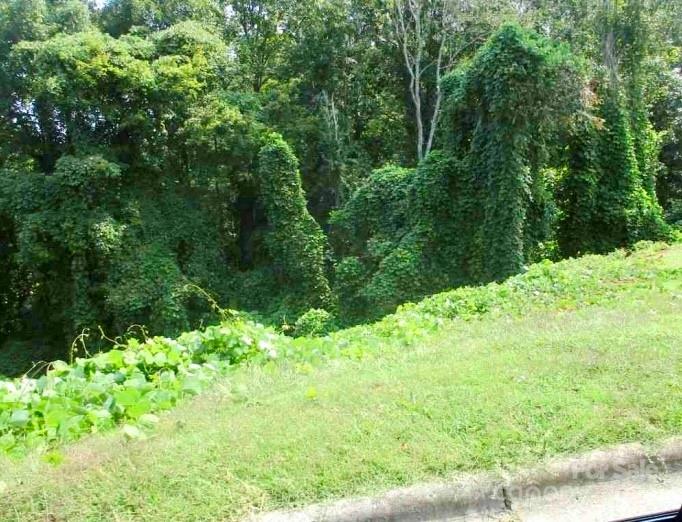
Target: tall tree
432	36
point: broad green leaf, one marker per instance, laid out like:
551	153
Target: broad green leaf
127	396
19	418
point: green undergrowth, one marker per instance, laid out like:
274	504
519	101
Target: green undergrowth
563	286
126	385
132	383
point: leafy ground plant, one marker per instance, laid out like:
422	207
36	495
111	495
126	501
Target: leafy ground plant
127	385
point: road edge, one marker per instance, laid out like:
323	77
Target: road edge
492	492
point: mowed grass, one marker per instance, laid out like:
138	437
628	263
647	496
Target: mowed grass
499	391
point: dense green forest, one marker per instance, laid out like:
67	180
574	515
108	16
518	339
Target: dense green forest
315	163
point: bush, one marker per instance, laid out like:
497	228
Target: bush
315	322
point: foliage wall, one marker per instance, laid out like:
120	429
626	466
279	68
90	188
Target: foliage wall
159	158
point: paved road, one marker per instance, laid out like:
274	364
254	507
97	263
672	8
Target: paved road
597	502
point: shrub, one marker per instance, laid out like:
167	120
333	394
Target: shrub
315	322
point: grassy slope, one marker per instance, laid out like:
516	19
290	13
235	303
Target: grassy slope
414	398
